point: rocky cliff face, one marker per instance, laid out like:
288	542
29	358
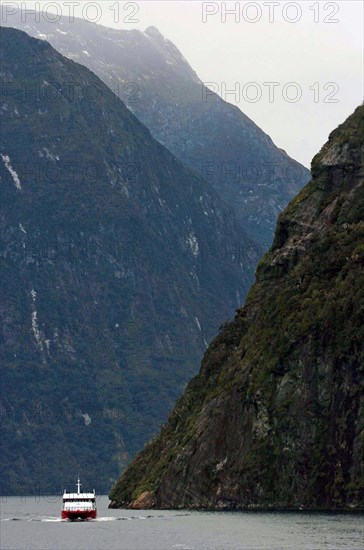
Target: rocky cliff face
209	135
275	418
118	265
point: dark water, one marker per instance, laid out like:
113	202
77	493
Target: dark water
34	523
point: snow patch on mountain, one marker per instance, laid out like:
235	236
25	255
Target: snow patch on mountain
36	330
193	243
45	152
87	419
14	175
198	324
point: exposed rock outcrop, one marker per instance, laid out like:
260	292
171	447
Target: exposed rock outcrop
275	418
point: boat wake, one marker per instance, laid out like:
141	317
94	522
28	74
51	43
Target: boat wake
58	520
111	518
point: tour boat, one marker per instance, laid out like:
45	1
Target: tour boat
79	506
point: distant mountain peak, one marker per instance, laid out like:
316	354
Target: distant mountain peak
171	54
153	32
214	138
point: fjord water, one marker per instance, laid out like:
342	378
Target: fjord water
34	523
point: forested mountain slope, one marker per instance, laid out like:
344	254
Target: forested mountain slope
118	266
275	417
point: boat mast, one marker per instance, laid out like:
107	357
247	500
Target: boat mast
78	486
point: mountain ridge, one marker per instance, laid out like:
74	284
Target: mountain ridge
112	251
210	136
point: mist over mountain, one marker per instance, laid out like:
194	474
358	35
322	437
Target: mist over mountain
275	418
118	266
209	135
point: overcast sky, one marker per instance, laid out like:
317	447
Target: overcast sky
317	46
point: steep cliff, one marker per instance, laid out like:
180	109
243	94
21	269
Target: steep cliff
275	417
112	252
214	138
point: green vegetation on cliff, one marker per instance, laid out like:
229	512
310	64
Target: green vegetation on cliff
275	417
